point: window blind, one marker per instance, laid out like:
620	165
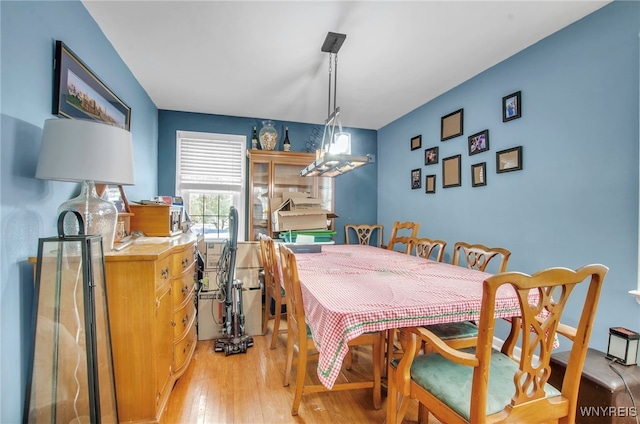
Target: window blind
210	164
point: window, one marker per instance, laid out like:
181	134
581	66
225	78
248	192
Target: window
210	178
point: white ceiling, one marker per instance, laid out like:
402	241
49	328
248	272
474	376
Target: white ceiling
262	58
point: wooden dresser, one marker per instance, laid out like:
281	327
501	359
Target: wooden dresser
150	289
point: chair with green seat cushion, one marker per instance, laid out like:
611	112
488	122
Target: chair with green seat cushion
473	256
482	385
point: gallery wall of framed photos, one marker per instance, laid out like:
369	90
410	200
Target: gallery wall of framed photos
451	127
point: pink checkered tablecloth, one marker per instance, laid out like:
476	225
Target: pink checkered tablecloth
352	289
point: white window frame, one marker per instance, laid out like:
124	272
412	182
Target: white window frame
240	199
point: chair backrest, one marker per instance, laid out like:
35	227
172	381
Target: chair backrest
553	287
413	227
269	262
478	256
364	233
424	247
295	308
542	298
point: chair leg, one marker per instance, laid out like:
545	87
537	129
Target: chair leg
300	376
266	314
383	352
276	325
348	360
290	349
376	361
423	414
392	399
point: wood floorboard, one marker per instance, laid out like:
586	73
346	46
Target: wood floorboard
247	389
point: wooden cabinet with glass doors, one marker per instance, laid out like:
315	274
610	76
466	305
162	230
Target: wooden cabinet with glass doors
272	173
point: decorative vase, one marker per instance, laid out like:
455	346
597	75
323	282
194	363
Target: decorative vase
268	136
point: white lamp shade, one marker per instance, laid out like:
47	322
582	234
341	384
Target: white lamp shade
80	150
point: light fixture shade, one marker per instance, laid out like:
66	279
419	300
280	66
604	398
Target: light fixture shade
88	152
80	150
341	143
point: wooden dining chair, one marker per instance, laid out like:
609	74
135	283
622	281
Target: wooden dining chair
273	290
300	335
475	256
478	256
395	238
484	385
425	247
364	233
421	247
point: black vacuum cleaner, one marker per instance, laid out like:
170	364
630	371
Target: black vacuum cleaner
233	340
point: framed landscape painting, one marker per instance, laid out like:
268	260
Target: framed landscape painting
79	93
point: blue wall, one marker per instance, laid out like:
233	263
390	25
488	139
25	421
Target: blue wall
28	32
576	200
356	191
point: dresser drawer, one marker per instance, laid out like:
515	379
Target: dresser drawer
184	349
183	287
182	319
183	260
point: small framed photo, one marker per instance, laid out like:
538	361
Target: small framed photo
416	178
431	156
451	171
479	174
509	160
416	142
479	142
451	125
430	184
511	107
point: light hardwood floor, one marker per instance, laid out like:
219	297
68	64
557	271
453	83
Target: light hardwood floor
247	388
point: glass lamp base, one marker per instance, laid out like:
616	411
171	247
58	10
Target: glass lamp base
100	216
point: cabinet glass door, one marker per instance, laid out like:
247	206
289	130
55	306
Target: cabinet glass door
287	179
260	199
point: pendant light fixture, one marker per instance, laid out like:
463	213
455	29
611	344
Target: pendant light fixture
334	156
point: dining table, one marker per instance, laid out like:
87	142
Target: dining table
349	290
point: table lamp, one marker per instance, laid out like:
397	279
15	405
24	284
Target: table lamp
89	152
